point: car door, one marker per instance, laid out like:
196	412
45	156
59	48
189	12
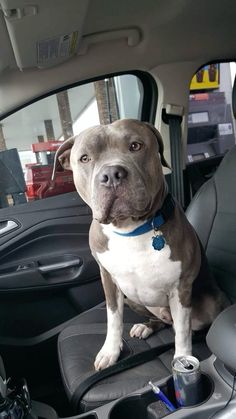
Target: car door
47	272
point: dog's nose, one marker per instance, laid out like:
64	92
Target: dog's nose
112	175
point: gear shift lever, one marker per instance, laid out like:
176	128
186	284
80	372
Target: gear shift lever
15	400
17	404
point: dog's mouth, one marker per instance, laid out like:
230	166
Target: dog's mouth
117	208
104	215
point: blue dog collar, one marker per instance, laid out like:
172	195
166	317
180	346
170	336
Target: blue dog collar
152	224
158	240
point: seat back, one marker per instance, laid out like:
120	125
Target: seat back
212	213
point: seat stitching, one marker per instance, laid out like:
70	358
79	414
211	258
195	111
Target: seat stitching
80	334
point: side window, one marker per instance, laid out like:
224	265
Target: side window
211	125
30	137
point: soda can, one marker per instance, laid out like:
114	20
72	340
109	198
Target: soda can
187	380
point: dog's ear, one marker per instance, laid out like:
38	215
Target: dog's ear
160	143
62	156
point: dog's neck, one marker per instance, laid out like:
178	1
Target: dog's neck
157	202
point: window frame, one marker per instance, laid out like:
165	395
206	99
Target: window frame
148	102
150	93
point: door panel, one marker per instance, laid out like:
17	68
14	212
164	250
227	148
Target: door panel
46	267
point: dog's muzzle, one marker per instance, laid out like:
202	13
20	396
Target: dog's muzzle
112	176
119	193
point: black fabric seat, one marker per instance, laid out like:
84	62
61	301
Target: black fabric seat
79	343
213	215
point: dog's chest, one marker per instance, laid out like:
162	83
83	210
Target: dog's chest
146	276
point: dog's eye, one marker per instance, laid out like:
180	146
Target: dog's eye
135	146
85	158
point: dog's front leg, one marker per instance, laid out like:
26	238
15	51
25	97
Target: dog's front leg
110	351
182	324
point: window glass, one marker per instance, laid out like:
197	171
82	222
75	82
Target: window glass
211	125
30	137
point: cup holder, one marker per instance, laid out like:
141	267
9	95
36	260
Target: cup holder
136	405
132	406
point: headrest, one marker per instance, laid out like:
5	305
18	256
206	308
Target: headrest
221	337
234	98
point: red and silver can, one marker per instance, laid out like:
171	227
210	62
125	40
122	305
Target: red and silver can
187	380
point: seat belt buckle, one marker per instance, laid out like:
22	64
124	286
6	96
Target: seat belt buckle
175	110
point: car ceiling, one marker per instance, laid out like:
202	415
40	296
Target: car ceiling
161	33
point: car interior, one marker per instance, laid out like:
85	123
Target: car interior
66	66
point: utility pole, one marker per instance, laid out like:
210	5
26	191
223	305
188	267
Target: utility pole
65	114
49	129
106	101
2	139
40	138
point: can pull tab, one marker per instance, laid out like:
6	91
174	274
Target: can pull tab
186	364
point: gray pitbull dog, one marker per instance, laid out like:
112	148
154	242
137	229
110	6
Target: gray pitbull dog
146	249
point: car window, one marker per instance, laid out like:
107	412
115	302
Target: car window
211	130
211	124
30	137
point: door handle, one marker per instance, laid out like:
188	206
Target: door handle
60	265
7	226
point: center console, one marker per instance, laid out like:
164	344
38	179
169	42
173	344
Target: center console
217	384
216	393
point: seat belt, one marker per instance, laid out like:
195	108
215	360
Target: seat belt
123	365
172	115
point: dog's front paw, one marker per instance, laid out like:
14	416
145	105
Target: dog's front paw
106	357
141	331
182	354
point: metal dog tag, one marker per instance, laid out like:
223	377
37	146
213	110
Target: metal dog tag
158	241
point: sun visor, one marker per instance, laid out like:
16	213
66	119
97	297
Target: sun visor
46	33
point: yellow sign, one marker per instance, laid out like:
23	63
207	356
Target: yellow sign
207	77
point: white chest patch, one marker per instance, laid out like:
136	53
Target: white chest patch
145	275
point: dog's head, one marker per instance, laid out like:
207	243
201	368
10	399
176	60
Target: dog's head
116	168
